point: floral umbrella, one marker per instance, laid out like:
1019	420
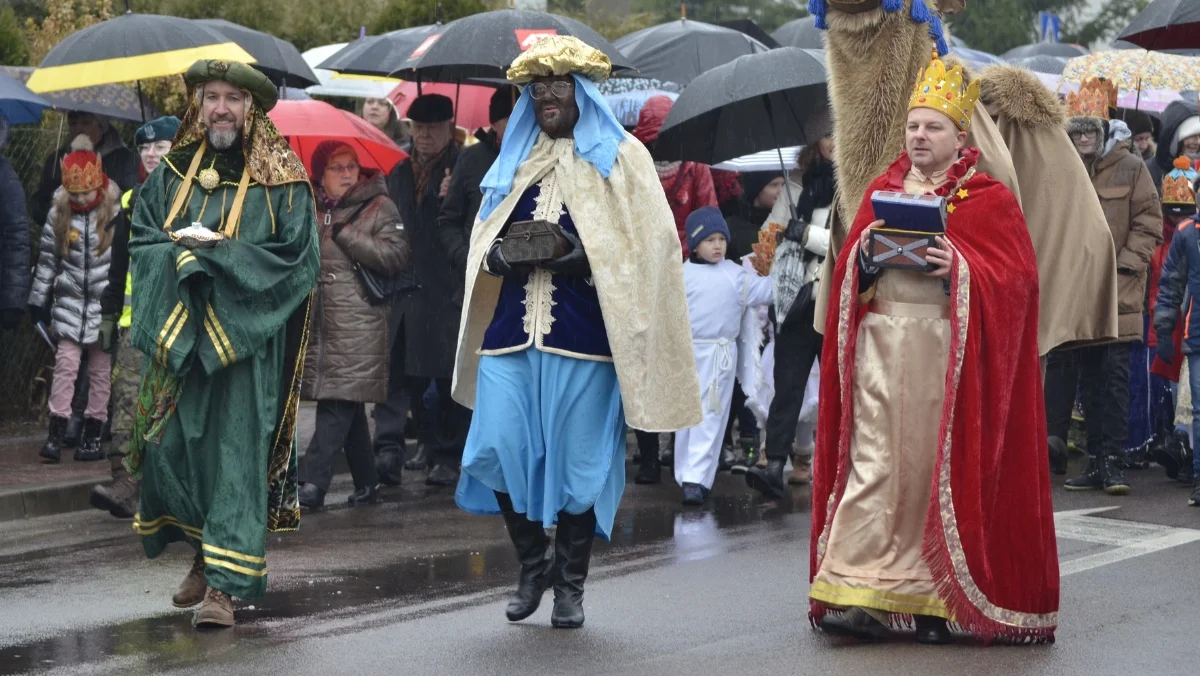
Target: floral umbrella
1133	69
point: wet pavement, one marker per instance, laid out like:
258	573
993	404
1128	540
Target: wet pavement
414	586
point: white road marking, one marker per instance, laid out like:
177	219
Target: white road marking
1129	539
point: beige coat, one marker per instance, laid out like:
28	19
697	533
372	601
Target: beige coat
1076	260
1131	205
629	233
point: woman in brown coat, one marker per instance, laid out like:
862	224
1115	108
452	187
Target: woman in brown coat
347	361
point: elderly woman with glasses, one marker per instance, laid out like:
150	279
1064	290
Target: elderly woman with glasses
347	361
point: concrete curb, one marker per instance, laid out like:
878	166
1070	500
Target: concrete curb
45	500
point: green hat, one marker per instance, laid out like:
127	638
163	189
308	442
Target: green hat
237	74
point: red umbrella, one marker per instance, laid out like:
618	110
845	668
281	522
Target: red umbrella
471	107
305	124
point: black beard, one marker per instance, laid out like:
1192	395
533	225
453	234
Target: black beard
562	126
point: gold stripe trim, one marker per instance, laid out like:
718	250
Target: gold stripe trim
166	348
184	258
152	527
216	343
227	553
907	604
234	567
212	315
170	322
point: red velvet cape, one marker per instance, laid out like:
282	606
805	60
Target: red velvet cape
989	533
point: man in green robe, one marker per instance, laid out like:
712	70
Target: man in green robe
225	252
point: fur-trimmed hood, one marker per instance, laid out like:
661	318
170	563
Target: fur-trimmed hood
1021	96
1077	125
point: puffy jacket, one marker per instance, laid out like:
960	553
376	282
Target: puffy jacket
1178	286
78	280
1134	214
348	350
14	240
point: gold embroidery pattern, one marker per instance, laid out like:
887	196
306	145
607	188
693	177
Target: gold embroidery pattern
960	571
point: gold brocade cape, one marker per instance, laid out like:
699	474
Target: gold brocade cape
629	233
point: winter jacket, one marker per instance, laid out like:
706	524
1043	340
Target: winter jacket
14	240
429	313
461	205
1134	214
348	346
1178	286
744	223
76	281
121	165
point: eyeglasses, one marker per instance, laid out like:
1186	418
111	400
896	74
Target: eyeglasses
561	90
159	147
1075	136
342	168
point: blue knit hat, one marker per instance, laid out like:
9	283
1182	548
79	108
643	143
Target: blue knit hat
162	129
702	223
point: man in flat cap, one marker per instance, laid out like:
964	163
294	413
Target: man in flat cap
225	254
557	353
425	318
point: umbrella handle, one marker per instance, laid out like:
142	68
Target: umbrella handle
779	151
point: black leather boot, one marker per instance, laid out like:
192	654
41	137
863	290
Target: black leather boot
1091	479
311	496
650	471
89	449
1058	456
537	561
768	480
1115	482
932	630
420	459
367	495
388	465
856	623
74	431
52	451
572	554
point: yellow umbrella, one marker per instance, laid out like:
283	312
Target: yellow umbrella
131	47
1135	68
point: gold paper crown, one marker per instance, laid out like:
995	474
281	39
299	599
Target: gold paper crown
1177	185
946	92
1094	99
560	55
82	169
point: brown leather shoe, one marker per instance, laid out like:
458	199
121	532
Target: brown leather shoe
191	590
119	499
216	611
801	473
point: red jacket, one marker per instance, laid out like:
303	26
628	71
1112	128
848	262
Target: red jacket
688	185
1158	367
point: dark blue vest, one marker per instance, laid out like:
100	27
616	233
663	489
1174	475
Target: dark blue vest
549	312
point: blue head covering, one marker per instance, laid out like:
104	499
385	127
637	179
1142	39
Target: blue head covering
597	136
918	12
704	223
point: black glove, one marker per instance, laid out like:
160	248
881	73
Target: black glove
108	333
498	267
37	313
1166	346
795	231
10	319
574	262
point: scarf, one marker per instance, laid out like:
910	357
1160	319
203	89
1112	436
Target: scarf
423	166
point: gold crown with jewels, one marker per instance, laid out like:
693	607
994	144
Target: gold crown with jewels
1094	99
946	91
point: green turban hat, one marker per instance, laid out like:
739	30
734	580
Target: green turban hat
237	74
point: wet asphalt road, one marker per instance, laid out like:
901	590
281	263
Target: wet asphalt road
414	586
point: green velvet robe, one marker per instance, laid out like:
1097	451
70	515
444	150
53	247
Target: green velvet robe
229	323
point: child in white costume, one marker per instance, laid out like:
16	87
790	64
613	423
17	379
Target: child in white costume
718	293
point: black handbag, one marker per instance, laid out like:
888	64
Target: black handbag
378	288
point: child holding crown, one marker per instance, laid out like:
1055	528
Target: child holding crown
931	491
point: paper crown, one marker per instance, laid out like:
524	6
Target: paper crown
946	92
560	55
1177	186
1094	99
82	170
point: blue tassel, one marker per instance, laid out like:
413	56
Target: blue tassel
920	13
893	5
939	36
817	9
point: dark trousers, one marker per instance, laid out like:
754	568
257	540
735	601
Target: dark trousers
746	422
391	416
1101	374
444	431
797	347
339	424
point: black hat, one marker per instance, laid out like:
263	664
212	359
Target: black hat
1139	121
501	105
753	182
430	108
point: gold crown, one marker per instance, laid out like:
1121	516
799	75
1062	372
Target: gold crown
560	55
1177	185
82	172
1094	99
946	92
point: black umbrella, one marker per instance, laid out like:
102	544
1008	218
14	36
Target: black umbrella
278	59
483	45
113	101
1187	51
1165	24
678	51
131	47
750	27
379	55
1042	64
755	103
802	33
1044	49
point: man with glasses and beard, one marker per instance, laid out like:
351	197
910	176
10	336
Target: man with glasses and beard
225	254
424	321
557	352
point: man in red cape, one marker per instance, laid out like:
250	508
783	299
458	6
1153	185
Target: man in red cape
931	491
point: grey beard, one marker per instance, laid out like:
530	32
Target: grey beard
223	140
